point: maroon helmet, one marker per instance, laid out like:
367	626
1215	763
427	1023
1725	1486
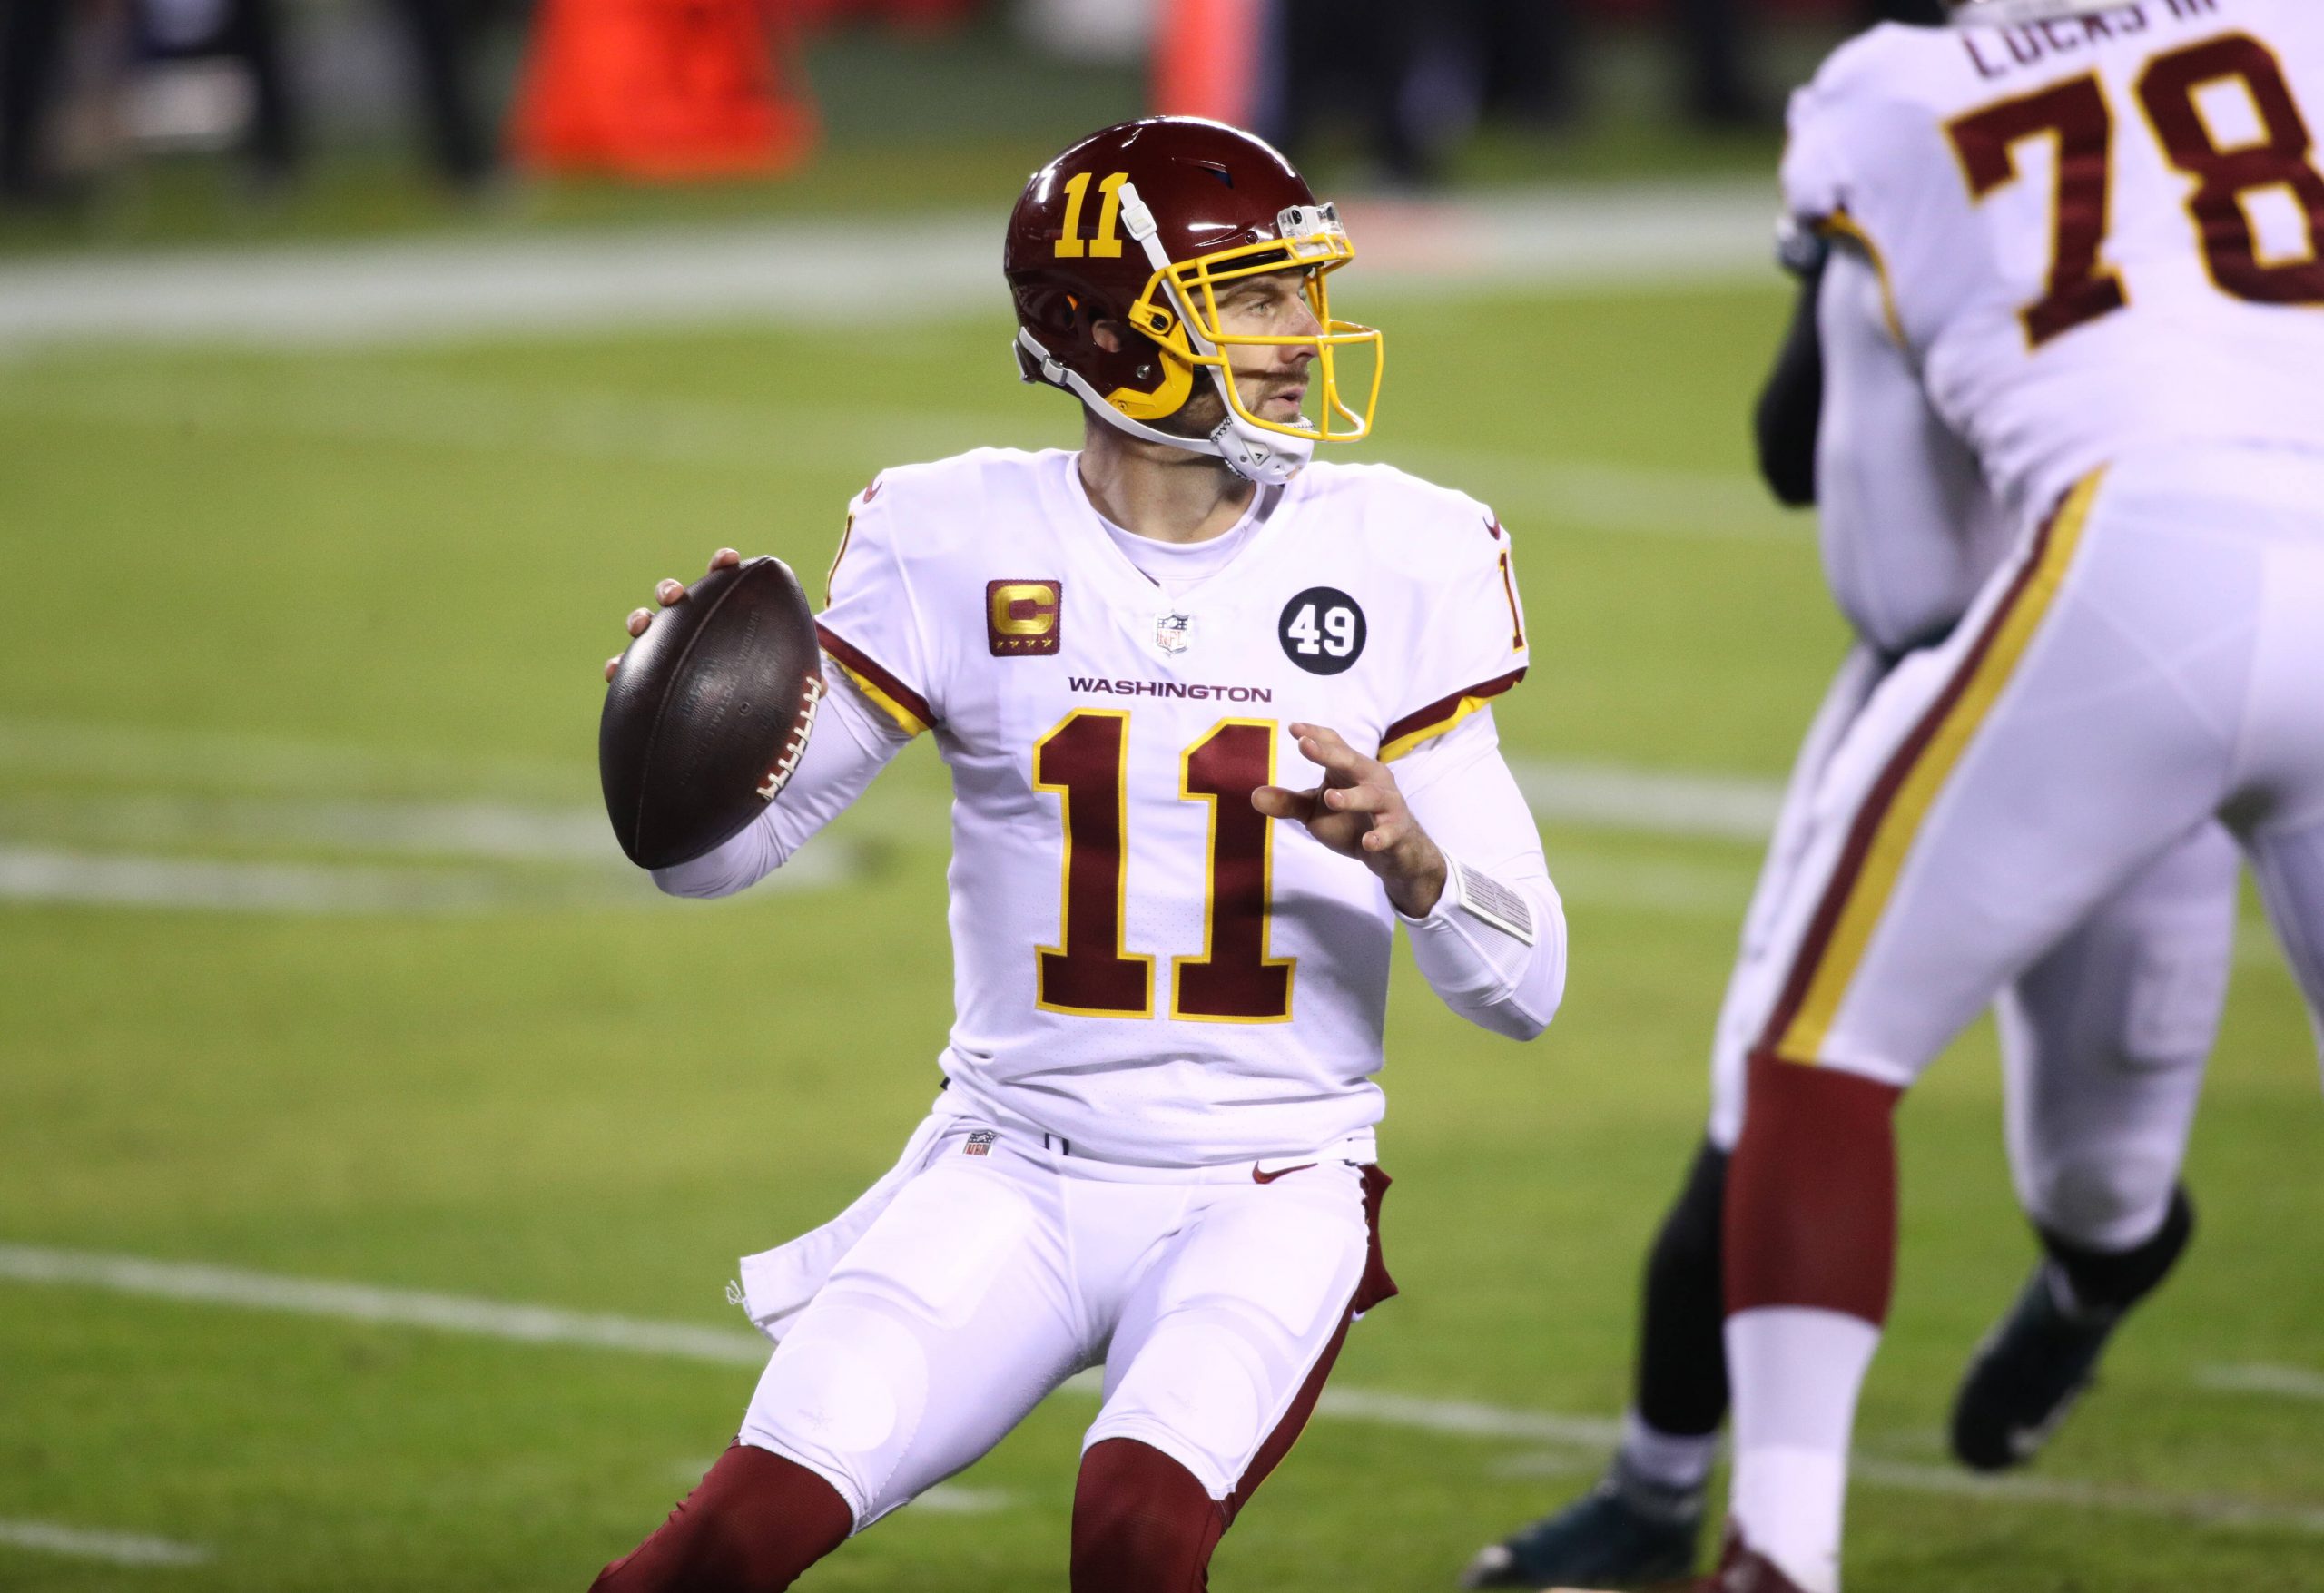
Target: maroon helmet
1136	225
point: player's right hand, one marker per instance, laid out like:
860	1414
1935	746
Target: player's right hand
669	594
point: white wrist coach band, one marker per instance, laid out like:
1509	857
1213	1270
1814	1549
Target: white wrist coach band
1489	902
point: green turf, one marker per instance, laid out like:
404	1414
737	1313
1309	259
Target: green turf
391	577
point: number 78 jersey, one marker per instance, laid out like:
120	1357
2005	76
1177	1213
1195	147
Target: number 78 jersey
1144	964
2099	235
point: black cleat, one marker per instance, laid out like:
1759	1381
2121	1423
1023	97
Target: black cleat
2025	1377
1625	1532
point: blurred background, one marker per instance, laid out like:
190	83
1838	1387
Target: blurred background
375	1142
154	119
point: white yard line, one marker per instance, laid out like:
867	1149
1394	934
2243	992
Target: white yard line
421	409
2282	1382
1907	1475
90	848
535	1324
46	874
528	1324
88	851
1581	793
946	1499
170	758
599	877
1609	796
120	1549
956	1499
1462	1419
123	848
49	874
2212	1510
484	831
827	272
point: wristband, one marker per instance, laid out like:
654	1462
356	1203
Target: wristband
1489	902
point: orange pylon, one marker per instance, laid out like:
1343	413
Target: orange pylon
662	89
1207	59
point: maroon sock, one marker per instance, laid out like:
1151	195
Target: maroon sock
1141	1523
1811	1193
751	1525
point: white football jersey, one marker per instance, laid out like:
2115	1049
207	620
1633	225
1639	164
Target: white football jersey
1143	964
1908	529
2100	235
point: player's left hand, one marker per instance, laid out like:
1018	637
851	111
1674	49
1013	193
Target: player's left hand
1358	812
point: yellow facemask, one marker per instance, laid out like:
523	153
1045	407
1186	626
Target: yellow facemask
1182	297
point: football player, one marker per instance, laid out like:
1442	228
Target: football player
1219	720
2099	233
2103	1038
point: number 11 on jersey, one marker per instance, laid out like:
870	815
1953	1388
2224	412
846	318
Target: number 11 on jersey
1086	762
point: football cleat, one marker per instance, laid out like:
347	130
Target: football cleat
1744	1569
1624	1533
2025	1377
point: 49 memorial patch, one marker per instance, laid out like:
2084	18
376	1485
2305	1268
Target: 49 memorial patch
1322	630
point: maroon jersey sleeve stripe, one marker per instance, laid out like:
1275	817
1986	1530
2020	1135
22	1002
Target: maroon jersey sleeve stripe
1443	708
862	664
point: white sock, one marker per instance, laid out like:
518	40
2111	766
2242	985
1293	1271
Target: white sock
1796	1372
1677	1462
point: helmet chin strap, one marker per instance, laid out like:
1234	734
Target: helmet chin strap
1253	452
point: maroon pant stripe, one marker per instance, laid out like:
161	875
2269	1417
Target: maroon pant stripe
1882	795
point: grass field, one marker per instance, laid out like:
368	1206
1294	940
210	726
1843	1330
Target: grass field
319	632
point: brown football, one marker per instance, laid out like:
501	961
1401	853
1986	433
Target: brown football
708	711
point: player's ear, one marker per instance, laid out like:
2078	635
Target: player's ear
1106	335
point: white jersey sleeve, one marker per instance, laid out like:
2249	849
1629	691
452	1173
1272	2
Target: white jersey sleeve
1865	161
873	623
854	740
1475	647
1493	948
1908	527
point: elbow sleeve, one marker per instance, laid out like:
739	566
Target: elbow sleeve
1494	949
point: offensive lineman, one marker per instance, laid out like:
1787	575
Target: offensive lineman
1153	1152
2103	1038
2101	230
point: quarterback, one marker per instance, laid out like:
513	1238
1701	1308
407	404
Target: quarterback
2098	236
1219	720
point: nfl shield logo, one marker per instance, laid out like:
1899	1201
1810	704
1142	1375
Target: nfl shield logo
980	1143
1172	632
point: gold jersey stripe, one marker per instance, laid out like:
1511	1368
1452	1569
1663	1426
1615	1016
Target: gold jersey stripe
1840	225
1404	743
911	722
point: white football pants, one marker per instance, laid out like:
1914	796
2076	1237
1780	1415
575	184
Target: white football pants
2152	659
1213	1297
2104	1038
